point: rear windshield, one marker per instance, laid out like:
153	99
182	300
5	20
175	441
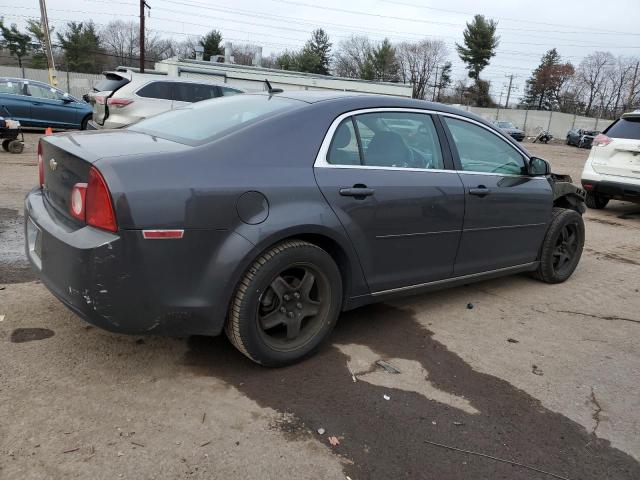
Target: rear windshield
201	122
110	83
625	128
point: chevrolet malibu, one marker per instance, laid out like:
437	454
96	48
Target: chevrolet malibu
266	215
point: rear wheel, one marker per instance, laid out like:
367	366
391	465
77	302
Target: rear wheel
5	145
15	146
562	246
286	304
595	201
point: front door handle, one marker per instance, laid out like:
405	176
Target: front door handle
357	192
480	191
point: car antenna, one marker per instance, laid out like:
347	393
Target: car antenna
272	90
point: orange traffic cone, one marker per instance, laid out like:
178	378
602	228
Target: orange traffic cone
48	131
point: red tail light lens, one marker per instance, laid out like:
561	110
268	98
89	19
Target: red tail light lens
119	102
98	207
78	197
40	165
100	100
601	140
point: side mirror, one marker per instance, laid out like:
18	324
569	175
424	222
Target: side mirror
538	166
66	98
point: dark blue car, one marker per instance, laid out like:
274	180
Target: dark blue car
36	104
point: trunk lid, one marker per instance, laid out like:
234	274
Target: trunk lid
68	157
621	157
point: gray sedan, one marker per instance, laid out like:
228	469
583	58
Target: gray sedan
266	215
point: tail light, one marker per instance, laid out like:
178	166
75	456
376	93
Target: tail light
100	100
601	140
91	202
119	102
40	165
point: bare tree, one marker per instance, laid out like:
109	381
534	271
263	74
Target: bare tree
593	71
418	62
243	54
351	59
120	40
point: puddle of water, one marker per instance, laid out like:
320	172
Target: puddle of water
385	438
21	335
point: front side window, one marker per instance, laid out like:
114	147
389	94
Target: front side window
482	151
387	139
229	91
160	90
43	91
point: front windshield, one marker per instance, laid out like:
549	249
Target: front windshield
201	122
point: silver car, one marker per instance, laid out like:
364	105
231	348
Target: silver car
123	98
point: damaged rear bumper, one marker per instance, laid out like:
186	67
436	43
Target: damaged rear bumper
123	283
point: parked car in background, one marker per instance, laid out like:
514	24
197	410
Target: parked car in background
511	130
581	138
37	104
123	98
294	207
612	170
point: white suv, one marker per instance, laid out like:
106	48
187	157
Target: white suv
613	167
123	98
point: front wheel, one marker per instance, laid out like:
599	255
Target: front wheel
562	246
286	304
595	201
85	122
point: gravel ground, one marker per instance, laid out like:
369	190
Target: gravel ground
545	376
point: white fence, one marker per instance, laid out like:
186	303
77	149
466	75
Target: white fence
76	84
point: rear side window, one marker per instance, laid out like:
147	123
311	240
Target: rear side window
229	91
344	145
161	90
202	122
11	87
482	151
110	83
193	92
628	128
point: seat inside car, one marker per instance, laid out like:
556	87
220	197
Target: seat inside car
386	149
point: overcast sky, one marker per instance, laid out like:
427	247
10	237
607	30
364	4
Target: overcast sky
527	28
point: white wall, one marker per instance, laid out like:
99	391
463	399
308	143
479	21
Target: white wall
77	84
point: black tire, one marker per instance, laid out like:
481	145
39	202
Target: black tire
5	144
595	201
15	146
568	142
270	319
85	121
562	246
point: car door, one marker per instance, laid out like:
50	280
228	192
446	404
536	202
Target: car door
506	210
14	103
393	188
50	107
185	93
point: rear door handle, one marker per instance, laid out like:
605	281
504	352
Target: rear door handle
480	191
356	192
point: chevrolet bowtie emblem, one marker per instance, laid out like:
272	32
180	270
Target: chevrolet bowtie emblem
53	164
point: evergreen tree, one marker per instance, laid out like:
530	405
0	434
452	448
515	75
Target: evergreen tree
444	81
18	43
543	87
38	57
382	63
81	46
316	54
480	43
211	44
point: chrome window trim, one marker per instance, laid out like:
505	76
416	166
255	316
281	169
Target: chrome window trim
321	157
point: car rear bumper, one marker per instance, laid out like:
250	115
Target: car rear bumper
123	283
613	189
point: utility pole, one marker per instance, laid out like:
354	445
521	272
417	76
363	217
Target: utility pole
44	23
143	4
632	90
435	86
509	89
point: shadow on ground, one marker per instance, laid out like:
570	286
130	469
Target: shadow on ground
14	266
385	439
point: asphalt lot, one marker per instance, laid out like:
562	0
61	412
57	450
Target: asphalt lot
545	376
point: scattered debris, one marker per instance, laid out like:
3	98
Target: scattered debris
386	397
433	422
140	341
536	370
511	462
237	443
353	375
137	444
512	340
458	424
334	441
596	413
120	454
72	450
469	306
204	415
1	318
387	366
321	431
205	443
